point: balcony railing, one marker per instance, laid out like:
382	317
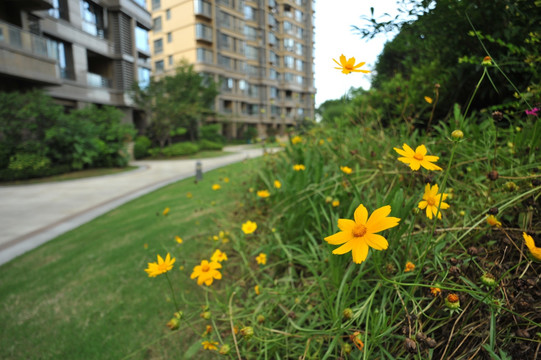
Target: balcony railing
142	3
203	33
96	80
202	8
25	40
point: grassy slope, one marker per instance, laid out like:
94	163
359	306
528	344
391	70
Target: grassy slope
85	295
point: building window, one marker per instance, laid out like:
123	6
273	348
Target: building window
224	61
225	41
204	55
289	62
158	65
141	39
170	60
227	84
168	14
169	37
249	13
92	19
203	32
59	9
64	59
298	15
158	46
144	77
252	52
250	32
157	24
156	4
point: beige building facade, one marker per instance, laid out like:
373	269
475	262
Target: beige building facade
259	51
80	51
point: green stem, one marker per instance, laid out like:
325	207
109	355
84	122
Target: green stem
172	293
475	91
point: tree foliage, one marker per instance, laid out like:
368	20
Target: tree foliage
179	101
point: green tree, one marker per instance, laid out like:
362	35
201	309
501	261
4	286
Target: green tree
179	101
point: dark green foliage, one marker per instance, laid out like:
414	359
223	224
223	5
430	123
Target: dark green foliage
182	100
141	147
178	149
211	132
37	137
210	145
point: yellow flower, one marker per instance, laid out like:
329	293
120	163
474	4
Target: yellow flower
145	246
530	243
346	169
210	345
321	142
215	237
263	193
178	239
299	167
357	236
487	61
428	99
189	195
218	256
166	211
335	203
416	159
249	227
261	259
216	187
256	289
435	291
348	66
431	201
206	272
492	221
161	267
277	184
226	179
409	266
295	140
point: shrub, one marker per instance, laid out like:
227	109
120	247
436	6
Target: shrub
210	145
211	132
23	161
30	173
178	149
141	147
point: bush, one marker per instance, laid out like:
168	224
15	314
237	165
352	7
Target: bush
211	132
210	145
178	149
141	147
30	173
24	161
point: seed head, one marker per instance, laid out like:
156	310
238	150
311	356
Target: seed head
452	301
457	134
488	279
347	313
497	116
493	211
410	345
493	175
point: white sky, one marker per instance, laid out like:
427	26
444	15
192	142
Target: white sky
334	36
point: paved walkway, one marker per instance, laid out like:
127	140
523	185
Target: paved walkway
34	214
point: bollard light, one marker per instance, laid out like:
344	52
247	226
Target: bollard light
198	171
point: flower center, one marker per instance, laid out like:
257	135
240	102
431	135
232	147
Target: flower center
431	201
359	230
205	268
418	157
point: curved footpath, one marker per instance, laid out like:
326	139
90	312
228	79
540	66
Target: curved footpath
34	214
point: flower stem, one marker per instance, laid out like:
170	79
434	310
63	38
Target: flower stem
172	293
475	91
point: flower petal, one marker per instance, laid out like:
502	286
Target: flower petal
343	60
359	65
422	204
346	224
361	214
344	248
339	238
379	221
421	150
376	241
359	252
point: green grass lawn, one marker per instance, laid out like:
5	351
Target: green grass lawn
85	295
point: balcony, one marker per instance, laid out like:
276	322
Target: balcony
203	32
32	5
98	81
202	8
26	55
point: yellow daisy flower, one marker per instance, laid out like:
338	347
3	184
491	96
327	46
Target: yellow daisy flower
277	184
261	259
416	159
295	140
428	99
530	243
431	200
348	66
299	167
178	239
218	256
346	170
161	267
357	236
256	289
216	187
249	227
492	221
206	272
210	345
166	211
335	203
263	193
409	266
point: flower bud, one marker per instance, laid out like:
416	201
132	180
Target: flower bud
260	319
206	315
247	332
488	279
457	134
224	349
452	301
173	324
347	313
346	348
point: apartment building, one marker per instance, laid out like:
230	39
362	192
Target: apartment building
260	51
80	51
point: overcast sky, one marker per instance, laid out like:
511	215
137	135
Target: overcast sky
334	36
